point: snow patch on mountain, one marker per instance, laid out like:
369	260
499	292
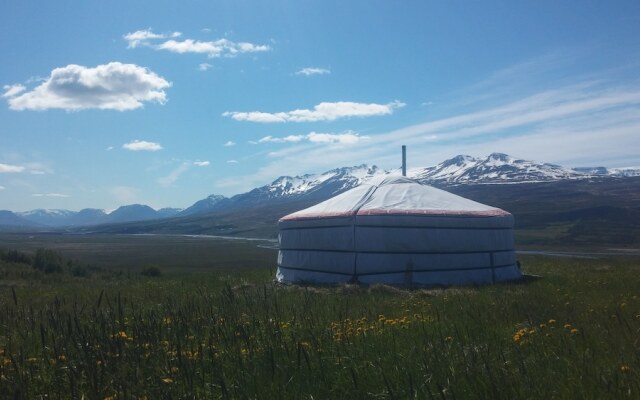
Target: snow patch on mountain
495	168
346	177
613	172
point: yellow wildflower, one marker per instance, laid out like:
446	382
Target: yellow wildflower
625	368
167	380
574	331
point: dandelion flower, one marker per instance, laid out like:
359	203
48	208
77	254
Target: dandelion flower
167	380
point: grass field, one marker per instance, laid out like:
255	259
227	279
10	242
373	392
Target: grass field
219	329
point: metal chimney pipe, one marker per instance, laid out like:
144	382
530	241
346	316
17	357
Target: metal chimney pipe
404	160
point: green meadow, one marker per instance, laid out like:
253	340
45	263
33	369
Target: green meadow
135	317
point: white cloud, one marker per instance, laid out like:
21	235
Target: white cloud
230	143
8	169
13	90
213	49
143	37
204	66
216	48
38	168
50	195
344	138
141	145
286	139
322	112
173	175
125	194
33	168
232	162
315	137
112	86
109	148
313	71
2	188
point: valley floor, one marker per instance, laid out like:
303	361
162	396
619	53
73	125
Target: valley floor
167	317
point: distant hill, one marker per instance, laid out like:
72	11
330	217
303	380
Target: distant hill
133	212
204	206
88	216
11	222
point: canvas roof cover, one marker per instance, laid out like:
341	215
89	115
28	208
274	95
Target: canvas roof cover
379	231
395	195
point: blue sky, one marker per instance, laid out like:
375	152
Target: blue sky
164	103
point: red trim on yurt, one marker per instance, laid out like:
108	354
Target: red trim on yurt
457	213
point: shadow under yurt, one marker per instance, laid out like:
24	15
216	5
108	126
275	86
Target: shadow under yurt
397	231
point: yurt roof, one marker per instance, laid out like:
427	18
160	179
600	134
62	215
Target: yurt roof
395	195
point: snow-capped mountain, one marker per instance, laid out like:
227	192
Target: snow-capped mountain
308	187
613	172
495	168
89	216
331	182
46	217
462	169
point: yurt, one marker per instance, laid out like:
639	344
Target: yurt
395	230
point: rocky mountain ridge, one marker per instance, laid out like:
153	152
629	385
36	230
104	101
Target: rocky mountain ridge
497	168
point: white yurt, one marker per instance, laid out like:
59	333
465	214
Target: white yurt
395	230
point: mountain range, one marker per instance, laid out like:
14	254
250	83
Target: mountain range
497	168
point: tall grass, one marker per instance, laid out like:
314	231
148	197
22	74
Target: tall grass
574	333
